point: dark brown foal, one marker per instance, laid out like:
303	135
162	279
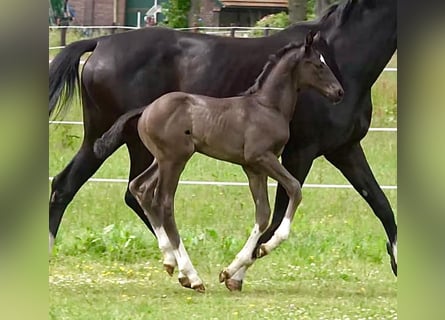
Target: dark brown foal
250	130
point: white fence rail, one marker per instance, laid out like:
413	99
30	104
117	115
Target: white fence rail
238	184
229	183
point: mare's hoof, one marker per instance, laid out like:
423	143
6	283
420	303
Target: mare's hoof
199	288
170	269
394	267
234	285
393	259
185	282
261	251
223	275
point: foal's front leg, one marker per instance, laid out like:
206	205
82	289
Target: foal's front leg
277	171
233	275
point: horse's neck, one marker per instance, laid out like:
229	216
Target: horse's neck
278	90
363	48
298	31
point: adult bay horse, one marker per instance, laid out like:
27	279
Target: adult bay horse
132	69
250	130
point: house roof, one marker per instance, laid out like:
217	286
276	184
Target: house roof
254	3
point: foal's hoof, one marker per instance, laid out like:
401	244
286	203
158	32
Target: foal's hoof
185	282
170	269
234	285
224	275
199	288
261	251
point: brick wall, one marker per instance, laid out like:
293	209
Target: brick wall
103	12
97	12
210	13
207	10
79	7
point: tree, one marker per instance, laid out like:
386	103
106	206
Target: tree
297	10
176	13
56	7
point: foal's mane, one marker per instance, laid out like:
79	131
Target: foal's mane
269	66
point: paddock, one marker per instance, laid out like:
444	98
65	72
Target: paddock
333	266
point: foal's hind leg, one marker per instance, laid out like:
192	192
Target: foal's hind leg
163	205
233	275
140	158
143	188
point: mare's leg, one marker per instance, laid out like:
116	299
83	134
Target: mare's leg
351	161
298	164
163	203
243	260
270	165
84	164
140	160
66	184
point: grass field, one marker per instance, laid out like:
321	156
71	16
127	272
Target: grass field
106	265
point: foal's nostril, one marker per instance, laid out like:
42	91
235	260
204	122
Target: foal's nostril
340	93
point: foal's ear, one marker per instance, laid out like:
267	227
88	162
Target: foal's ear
308	41
317	36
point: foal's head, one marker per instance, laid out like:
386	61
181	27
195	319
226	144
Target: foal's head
312	70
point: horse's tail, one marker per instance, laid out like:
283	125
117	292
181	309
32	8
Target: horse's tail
115	136
64	75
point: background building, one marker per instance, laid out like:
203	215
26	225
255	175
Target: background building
209	13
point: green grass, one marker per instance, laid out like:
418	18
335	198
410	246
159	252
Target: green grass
106	264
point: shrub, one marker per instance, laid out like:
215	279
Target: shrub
176	13
277	20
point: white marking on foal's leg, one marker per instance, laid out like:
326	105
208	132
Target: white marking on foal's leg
186	268
322	59
51	242
281	234
244	257
166	249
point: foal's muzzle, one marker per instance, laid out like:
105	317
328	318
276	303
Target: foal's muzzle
337	95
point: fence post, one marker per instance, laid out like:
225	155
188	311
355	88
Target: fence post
63	23
232	31
195	27
267	30
138	23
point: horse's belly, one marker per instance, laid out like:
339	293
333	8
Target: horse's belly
221	151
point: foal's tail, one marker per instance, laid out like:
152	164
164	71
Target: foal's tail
115	136
64	75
